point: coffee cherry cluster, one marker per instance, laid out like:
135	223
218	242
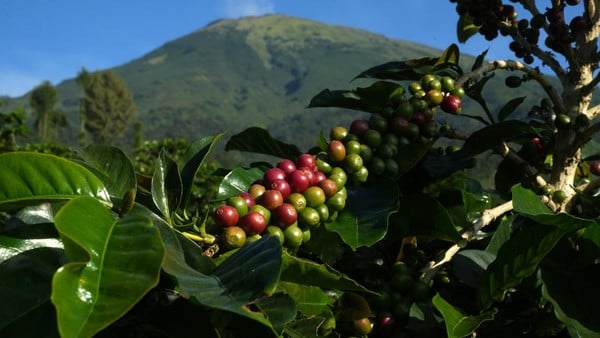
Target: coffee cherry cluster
296	196
402	288
291	199
406	119
492	17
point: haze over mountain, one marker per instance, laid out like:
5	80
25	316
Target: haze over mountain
256	71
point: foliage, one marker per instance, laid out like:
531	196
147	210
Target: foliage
404	243
107	106
12	126
43	101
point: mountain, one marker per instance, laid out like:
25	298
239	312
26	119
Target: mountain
255	71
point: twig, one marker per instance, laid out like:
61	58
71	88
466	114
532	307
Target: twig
505	151
517	66
487	217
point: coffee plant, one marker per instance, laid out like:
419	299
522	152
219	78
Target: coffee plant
380	230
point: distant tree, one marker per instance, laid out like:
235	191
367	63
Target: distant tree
43	101
12	125
107	106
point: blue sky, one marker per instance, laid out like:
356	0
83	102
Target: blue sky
53	40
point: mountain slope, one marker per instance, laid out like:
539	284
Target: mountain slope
255	71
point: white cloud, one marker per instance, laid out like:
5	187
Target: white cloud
14	83
240	8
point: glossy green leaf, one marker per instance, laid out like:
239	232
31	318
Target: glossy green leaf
307	327
166	185
303	271
410	70
238	180
369	99
458	324
465	28
112	264
26	282
10	247
519	256
310	300
112	166
364	221
510	107
259	262
410	220
574	296
450	56
469	265
527	203
191	161
279	309
501	235
258	140
32	178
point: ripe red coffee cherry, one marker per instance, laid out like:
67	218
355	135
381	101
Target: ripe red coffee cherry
309	173
253	223
595	168
287	166
386	324
306	161
282	186
285	215
226	216
451	104
318	177
272	175
271	199
250	201
298	180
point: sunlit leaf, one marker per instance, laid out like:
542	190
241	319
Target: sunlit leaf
457	324
166	184
303	271
519	256
191	160
310	300
465	28
112	166
279	309
238	180
32	178
112	264
10	247
450	55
